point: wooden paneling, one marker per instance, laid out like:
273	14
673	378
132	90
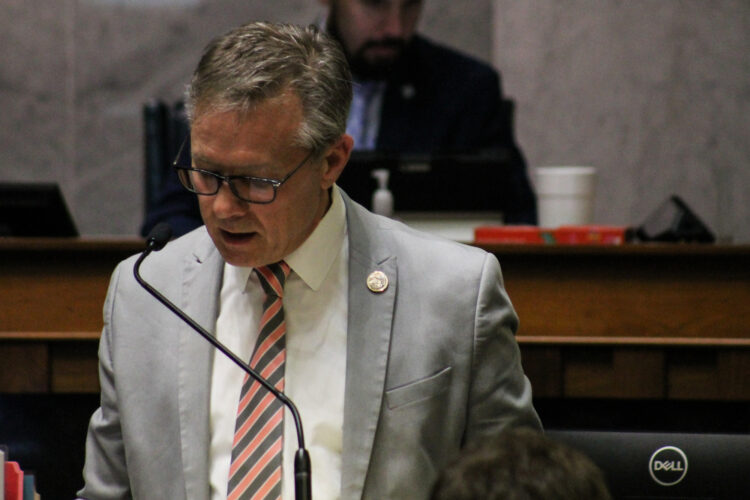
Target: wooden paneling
544	368
50	285
642	372
74	367
641	321
24	367
641	291
51	298
618	373
719	374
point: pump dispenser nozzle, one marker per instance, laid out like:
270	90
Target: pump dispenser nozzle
382	198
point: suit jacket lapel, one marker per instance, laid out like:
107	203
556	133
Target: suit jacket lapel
200	291
368	341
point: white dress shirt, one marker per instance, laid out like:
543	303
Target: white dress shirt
363	122
315	311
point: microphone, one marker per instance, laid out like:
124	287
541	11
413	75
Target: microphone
155	241
158	237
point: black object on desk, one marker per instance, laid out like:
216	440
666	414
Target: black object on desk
673	222
439	183
664	465
34	209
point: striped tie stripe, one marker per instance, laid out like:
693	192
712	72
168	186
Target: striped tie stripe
245	400
244	441
256	468
256	480
277	417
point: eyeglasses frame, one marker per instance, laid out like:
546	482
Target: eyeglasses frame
274	183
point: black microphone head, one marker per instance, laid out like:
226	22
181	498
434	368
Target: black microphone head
159	236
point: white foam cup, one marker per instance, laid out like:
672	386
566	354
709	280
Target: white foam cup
565	195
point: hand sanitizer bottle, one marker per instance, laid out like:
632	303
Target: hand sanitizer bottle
382	198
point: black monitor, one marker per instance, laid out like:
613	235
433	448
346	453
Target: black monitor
659	465
439	183
34	209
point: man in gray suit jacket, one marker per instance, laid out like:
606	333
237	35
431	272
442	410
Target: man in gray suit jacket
399	346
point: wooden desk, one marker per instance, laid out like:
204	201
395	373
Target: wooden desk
661	321
633	321
51	297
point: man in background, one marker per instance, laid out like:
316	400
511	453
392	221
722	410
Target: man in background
413	96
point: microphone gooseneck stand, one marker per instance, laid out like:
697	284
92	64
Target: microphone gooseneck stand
156	240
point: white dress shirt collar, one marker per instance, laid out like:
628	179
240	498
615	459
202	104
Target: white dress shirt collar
313	259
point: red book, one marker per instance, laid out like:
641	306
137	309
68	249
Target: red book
590	235
13	481
509	234
563	235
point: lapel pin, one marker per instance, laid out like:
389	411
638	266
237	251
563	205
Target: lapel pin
377	282
408	91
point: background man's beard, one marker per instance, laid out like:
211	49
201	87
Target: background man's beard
380	68
360	66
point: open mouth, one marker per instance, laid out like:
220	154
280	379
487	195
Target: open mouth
237	238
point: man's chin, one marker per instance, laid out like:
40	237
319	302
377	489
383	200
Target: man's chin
374	69
382	55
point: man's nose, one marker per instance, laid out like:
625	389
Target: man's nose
392	23
226	204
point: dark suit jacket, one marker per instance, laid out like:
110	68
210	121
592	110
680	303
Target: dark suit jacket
439	101
436	101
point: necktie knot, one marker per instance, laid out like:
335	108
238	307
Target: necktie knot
272	278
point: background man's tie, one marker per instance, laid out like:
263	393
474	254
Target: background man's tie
359	124
256	468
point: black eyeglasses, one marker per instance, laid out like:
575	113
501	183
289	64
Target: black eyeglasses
246	188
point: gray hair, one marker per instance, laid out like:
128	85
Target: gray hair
259	60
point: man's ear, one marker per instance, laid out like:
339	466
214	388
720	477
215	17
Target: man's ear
335	159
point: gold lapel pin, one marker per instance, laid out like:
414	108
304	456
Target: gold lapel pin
377	282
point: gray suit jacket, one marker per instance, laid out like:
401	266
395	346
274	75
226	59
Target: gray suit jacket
431	364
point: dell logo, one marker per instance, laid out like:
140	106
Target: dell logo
668	465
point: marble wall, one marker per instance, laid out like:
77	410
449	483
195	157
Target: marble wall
655	93
74	76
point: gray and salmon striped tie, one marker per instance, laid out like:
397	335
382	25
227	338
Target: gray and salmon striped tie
256	467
